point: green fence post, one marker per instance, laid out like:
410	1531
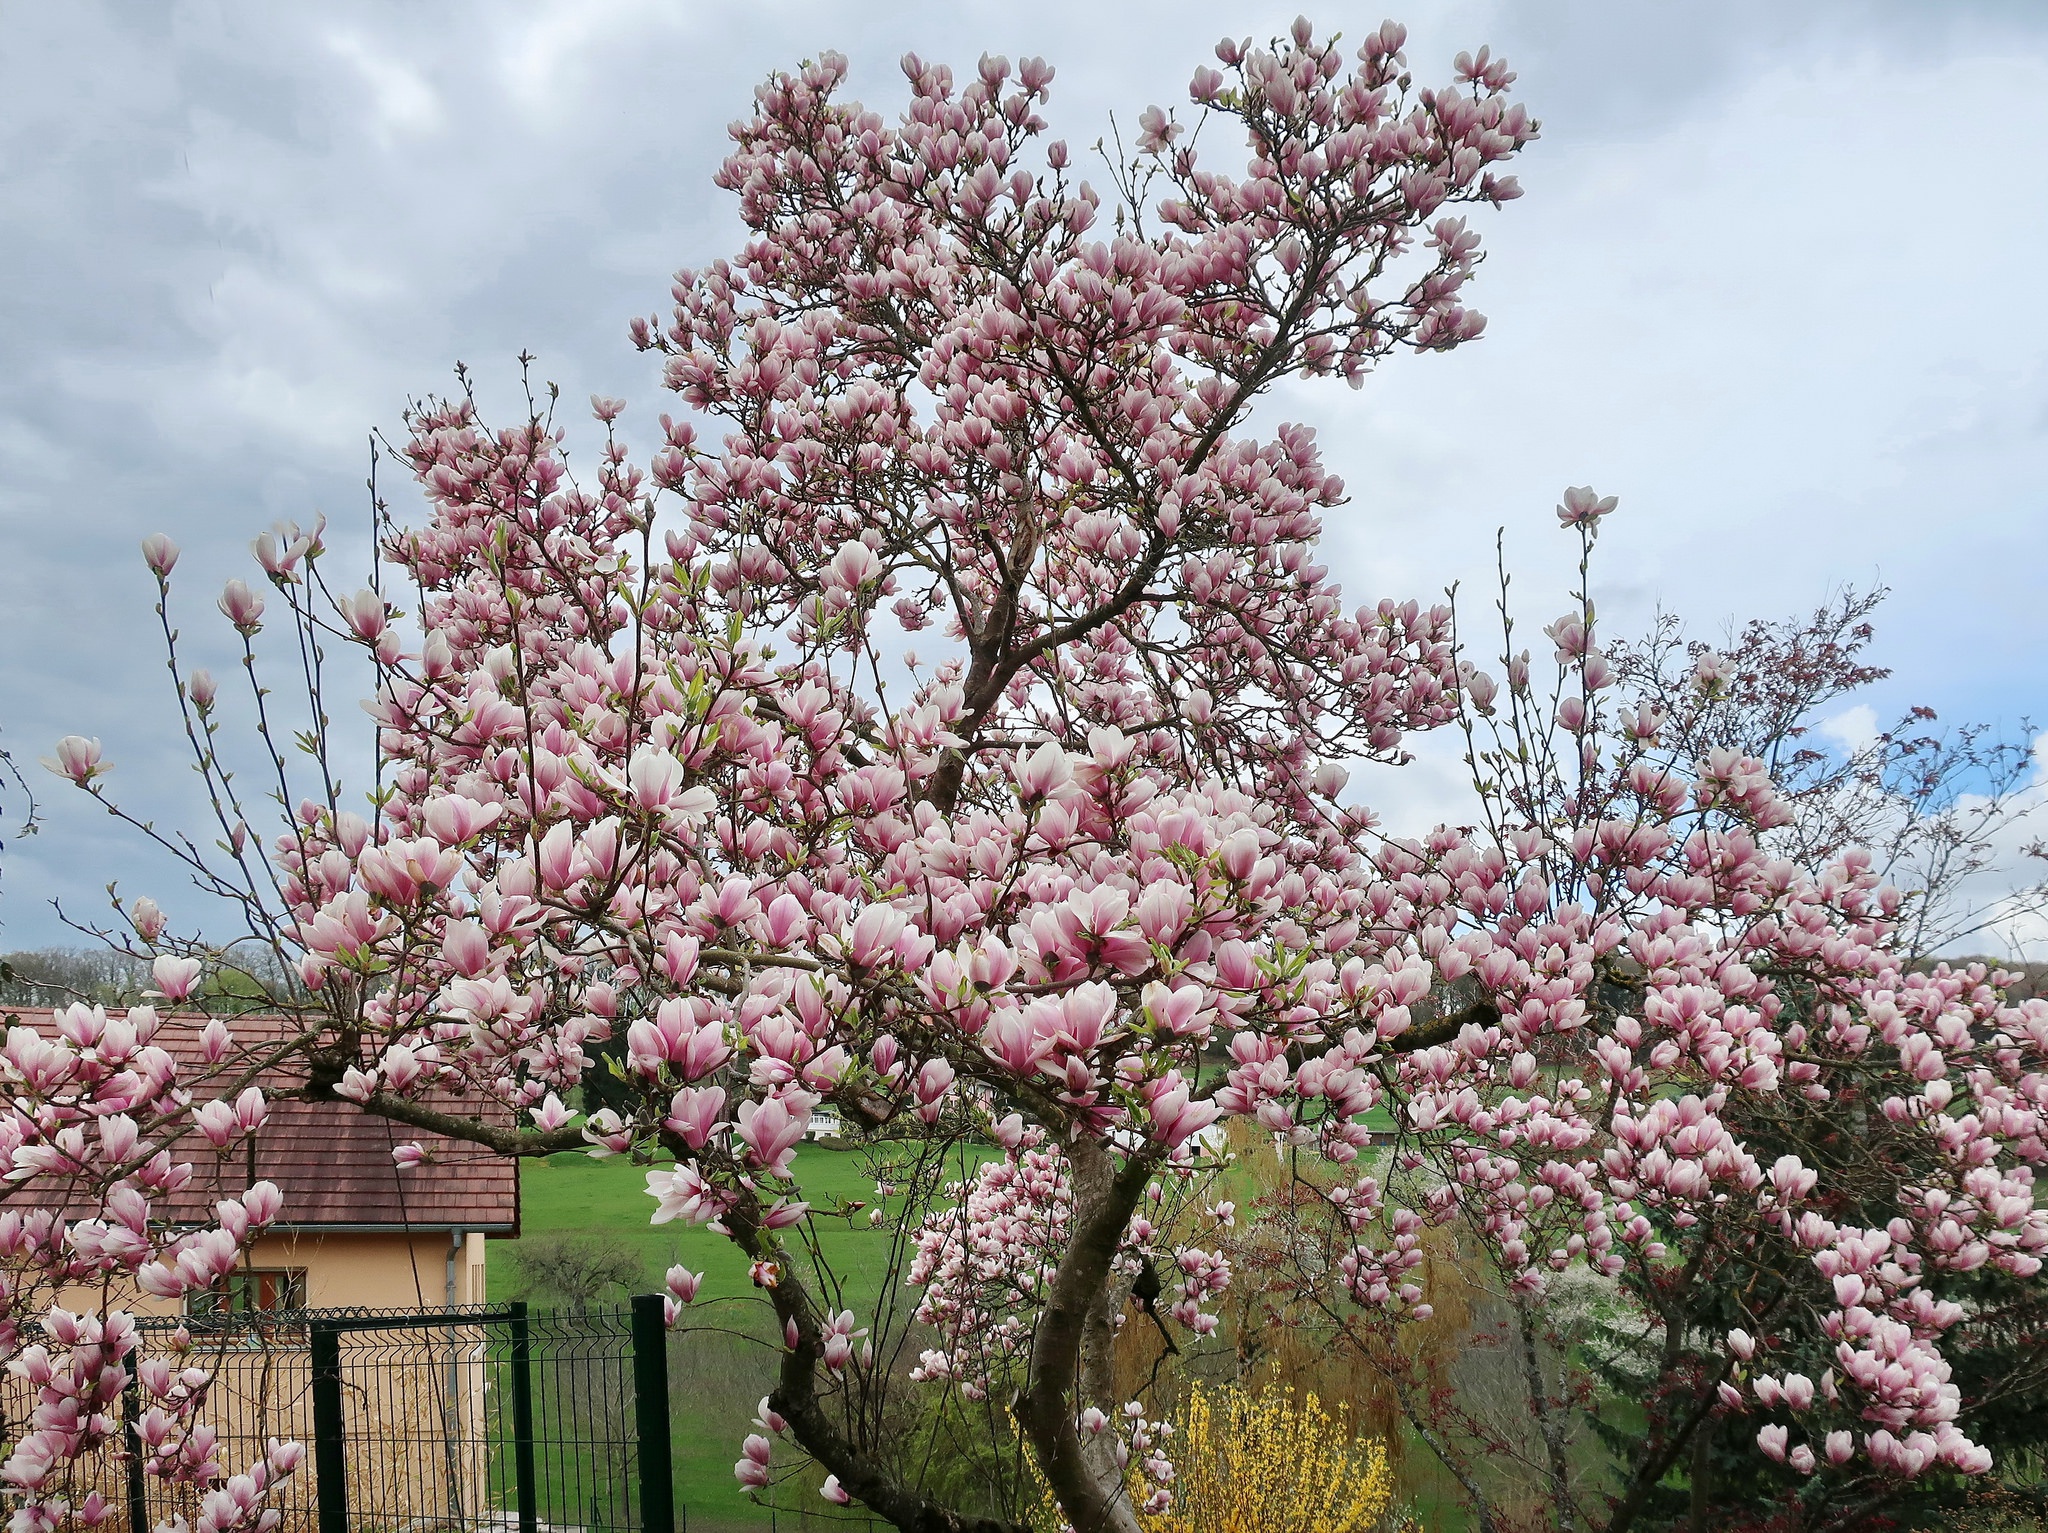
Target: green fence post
522	1419
138	1487
650	1390
330	1460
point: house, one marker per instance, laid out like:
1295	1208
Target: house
356	1230
824	1124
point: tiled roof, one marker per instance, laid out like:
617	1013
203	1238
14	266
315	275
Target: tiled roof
333	1161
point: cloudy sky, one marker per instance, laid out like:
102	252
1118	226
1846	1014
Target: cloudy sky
1777	282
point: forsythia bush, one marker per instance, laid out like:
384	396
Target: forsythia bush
1271	1463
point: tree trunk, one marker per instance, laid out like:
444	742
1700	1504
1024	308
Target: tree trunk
1546	1419
1071	1358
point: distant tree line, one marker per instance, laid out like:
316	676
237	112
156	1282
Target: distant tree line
57	976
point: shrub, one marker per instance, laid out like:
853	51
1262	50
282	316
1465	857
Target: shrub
1275	1462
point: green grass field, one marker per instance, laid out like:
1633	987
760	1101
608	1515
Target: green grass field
577	1195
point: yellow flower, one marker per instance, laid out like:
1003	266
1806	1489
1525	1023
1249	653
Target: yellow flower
1270	1463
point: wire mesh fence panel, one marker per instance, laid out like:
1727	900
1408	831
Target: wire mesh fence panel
584	1402
483	1420
418	1446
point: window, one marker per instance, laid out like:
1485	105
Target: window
240	1299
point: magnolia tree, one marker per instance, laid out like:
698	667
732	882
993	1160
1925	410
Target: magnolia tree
673	815
1802	1217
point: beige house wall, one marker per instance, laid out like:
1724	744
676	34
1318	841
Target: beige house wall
377	1271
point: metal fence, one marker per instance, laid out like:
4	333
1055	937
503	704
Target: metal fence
489	1419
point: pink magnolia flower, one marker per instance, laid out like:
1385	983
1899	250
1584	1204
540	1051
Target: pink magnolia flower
147	919
264	1202
772	1129
752	1469
684	1284
1176	1117
160	554
175	976
551	1114
684	1194
853	566
1582	507
78	759
242	607
365	614
694	1113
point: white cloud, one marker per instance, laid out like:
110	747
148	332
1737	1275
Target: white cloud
2015	915
405	105
1851	729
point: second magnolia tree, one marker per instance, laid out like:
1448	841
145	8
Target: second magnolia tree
672	813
